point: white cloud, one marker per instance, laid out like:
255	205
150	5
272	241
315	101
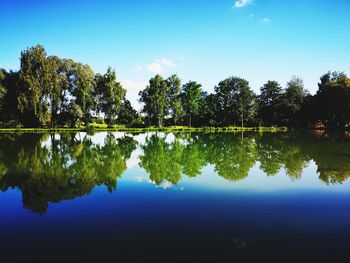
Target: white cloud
130	84
158	65
155	68
242	3
265	20
133	87
167	62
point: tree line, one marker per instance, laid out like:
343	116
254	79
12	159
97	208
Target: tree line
48	91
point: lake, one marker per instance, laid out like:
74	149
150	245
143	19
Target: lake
161	197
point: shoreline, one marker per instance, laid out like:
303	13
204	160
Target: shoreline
149	129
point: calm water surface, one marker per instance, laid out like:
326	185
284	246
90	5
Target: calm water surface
174	198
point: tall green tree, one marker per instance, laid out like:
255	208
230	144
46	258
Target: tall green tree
110	94
57	88
292	101
333	99
154	98
191	99
269	102
237	102
247	106
176	109
82	85
36	75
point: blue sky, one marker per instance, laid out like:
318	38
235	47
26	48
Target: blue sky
205	40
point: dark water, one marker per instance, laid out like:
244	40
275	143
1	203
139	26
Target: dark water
117	197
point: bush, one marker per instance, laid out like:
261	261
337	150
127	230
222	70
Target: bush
11	124
100	120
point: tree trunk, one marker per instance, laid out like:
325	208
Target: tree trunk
190	121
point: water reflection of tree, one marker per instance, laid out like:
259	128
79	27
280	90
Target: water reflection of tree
277	151
332	157
231	155
67	169
162	160
68	166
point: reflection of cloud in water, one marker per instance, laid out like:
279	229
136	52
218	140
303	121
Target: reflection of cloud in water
165	185
170	138
134	159
168	185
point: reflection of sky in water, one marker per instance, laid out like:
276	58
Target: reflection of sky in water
256	181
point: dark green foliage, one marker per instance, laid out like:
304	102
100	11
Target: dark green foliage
334	96
209	110
236	101
270	100
154	98
128	115
292	102
175	104
191	98
36	76
109	95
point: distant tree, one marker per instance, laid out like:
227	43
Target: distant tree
209	110
191	99
174	97
270	102
154	98
109	95
292	101
237	102
247	106
11	83
128	115
333	99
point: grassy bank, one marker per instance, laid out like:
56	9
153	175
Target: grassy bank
102	127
